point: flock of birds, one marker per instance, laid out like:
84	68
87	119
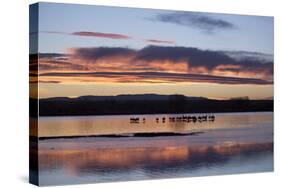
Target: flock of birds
187	119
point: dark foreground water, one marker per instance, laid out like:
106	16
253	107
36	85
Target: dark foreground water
233	143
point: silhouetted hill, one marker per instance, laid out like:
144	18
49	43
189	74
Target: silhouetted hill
128	97
145	104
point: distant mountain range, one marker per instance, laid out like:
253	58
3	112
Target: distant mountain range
143	104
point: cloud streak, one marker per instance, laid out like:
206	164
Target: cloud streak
102	35
159	41
113	36
200	21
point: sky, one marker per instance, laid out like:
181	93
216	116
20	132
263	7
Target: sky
100	50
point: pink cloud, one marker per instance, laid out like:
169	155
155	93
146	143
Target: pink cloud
160	41
102	35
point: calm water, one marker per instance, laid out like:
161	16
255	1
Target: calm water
233	143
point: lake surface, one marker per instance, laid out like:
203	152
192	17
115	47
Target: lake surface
233	143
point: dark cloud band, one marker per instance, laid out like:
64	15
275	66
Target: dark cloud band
158	63
168	77
194	57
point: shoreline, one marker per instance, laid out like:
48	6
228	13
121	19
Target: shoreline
149	135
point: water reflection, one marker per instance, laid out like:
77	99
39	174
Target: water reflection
154	162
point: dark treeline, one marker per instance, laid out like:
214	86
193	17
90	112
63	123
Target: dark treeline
92	105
